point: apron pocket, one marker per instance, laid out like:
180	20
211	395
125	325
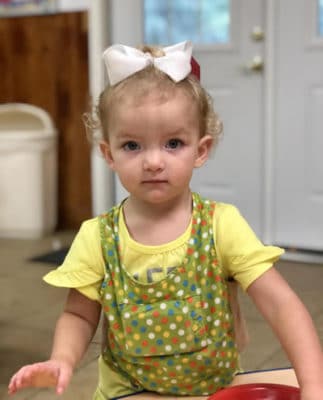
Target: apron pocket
164	328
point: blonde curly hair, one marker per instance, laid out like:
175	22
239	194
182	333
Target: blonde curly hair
139	85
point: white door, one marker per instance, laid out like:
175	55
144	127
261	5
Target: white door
234	172
298	180
269	163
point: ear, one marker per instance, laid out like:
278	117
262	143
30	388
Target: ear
204	148
106	152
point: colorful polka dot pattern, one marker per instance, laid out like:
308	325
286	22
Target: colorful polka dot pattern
176	335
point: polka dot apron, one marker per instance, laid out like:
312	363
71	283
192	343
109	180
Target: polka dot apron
174	336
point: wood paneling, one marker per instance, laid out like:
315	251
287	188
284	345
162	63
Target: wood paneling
44	61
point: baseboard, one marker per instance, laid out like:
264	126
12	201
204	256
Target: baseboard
305	256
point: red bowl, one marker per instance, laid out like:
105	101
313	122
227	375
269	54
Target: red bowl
258	391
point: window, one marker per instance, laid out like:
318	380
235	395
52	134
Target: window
201	21
320	17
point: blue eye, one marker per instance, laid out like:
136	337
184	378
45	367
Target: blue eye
131	146
174	143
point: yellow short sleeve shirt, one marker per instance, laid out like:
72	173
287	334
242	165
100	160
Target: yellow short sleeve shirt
240	252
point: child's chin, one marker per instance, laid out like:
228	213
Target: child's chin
157	196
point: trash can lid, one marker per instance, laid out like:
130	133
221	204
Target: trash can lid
25	118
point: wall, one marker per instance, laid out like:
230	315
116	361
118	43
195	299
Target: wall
73	5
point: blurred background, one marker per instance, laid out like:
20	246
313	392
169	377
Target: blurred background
261	61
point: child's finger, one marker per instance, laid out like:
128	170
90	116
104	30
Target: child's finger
23	376
16	379
63	380
37	375
15	382
12	386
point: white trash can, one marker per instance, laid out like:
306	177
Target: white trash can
28	172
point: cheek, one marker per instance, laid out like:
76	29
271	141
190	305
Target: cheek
129	177
125	160
189	158
184	167
126	167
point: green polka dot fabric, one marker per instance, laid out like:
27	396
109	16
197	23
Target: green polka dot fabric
174	336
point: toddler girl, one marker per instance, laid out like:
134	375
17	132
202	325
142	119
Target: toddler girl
159	263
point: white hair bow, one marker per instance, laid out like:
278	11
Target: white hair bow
123	61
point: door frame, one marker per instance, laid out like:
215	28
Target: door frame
269	123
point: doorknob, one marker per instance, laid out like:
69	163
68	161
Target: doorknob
257	64
257	33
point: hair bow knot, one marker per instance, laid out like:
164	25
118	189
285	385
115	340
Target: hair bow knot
123	61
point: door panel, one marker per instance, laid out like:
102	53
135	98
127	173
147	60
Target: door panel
298	191
234	172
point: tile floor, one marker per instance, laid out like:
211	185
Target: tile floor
29	309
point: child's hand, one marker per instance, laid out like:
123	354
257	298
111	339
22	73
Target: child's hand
44	374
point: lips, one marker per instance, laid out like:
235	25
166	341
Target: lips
154	181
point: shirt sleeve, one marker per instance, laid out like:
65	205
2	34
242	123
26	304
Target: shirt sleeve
83	267
243	256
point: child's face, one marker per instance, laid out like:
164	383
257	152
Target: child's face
154	145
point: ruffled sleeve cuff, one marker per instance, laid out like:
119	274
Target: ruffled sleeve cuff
83	267
243	256
246	269
84	281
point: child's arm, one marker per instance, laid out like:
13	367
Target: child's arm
74	331
294	327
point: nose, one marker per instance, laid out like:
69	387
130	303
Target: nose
153	160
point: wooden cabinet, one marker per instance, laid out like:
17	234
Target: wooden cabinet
44	62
